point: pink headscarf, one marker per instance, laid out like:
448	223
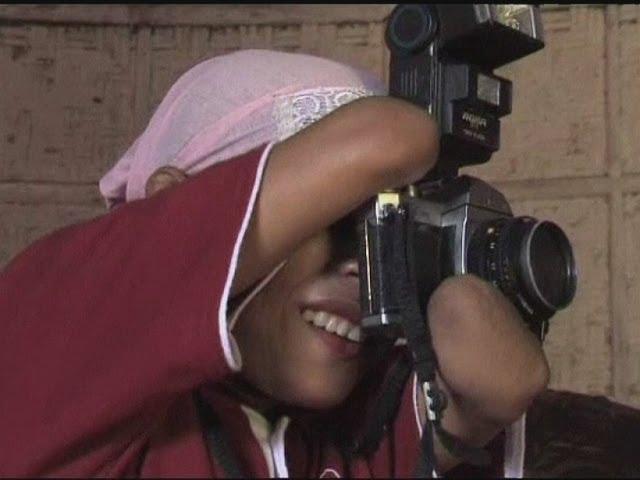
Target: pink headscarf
229	105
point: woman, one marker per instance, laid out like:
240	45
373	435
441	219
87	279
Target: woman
216	286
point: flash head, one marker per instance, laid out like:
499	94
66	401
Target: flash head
442	60
489	35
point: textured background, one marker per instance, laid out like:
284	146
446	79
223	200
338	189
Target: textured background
78	83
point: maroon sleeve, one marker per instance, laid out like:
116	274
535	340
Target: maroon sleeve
104	324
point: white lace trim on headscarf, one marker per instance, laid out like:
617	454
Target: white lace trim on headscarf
297	111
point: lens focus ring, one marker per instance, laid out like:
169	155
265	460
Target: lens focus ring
530	261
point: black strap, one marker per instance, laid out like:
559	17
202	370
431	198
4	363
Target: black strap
217	442
458	448
416	328
385	408
416	332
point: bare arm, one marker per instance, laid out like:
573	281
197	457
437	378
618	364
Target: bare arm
491	365
325	171
322	173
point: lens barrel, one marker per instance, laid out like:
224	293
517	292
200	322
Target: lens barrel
530	261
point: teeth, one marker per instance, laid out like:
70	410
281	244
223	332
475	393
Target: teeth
320	319
343	328
355	334
333	324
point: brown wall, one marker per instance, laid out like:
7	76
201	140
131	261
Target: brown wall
77	83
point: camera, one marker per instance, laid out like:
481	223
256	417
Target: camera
442	59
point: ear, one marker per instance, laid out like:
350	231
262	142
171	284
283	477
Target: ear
163	177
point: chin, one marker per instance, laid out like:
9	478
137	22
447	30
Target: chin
323	403
317	395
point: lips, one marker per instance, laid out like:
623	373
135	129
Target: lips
333	323
337	323
330	306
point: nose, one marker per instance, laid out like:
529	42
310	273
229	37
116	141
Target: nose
348	267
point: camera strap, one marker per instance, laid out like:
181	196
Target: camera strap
385	408
418	335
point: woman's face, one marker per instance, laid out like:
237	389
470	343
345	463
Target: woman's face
300	337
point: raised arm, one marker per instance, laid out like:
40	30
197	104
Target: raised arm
325	171
105	324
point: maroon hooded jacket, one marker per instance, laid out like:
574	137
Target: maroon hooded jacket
108	327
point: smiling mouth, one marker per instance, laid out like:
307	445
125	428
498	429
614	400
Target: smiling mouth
334	324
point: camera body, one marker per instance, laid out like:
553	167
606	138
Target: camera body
442	57
469	228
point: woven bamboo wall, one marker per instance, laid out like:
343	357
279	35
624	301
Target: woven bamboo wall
78	83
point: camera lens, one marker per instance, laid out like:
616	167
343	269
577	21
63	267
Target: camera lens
549	264
531	261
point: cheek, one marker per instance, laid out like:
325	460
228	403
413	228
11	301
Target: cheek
311	377
301	370
306	262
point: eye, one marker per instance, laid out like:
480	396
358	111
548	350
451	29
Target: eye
344	239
